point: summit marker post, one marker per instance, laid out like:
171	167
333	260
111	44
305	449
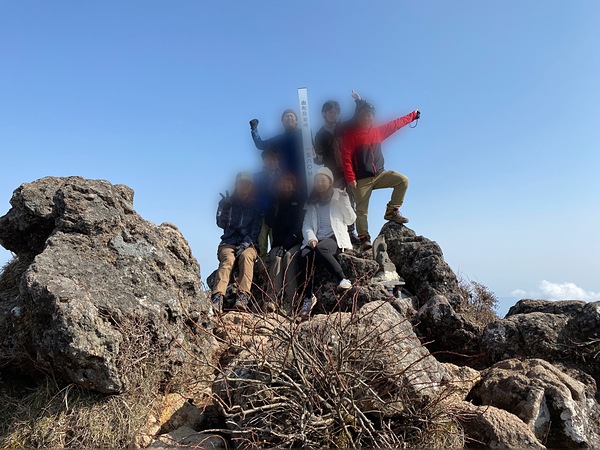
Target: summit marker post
307	145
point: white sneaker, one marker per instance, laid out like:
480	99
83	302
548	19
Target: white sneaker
344	285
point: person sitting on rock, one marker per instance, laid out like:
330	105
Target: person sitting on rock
364	170
328	213
285	220
240	218
264	182
288	144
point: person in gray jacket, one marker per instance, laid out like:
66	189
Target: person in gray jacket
325	235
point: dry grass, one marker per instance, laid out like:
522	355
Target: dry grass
325	384
50	414
480	302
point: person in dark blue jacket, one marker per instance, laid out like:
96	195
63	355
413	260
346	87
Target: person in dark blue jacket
265	182
288	144
240	218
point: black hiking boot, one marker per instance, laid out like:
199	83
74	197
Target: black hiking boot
307	306
392	213
242	303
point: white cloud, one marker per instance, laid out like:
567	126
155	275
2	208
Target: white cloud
558	291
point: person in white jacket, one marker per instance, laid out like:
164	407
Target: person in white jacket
325	235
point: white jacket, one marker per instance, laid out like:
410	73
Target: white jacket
342	215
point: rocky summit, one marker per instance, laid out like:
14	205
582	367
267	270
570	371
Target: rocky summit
403	359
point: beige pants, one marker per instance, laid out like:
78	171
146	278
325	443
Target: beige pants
264	238
226	255
283	272
362	195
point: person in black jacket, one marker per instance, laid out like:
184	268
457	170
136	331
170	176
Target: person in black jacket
285	219
240	218
328	146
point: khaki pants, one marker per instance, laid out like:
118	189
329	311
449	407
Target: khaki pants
226	255
364	188
264	238
283	272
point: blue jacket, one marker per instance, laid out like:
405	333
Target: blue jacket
241	221
264	183
291	152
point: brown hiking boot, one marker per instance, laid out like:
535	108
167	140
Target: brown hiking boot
365	243
392	213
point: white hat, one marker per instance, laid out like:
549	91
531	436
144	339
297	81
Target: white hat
327	172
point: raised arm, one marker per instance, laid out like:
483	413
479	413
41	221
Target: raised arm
258	141
223	211
390	128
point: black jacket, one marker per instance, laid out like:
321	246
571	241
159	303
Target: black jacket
328	151
285	219
241	221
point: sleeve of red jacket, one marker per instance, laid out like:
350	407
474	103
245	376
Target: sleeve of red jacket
347	151
388	129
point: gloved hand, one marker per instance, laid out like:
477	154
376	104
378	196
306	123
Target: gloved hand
418	116
225	200
280	253
254	124
243	246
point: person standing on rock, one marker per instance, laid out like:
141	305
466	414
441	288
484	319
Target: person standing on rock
288	144
328	213
240	218
285	220
363	164
265	182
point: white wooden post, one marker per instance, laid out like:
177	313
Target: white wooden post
307	145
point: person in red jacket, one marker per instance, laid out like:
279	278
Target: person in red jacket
363	165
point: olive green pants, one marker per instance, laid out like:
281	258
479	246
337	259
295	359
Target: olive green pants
362	195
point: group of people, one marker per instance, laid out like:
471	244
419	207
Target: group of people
274	206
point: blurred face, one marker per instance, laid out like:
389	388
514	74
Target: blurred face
322	183
285	187
289	120
243	189
332	116
366	118
270	161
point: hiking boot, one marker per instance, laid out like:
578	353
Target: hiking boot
365	243
392	213
216	304
307	306
344	285
242	302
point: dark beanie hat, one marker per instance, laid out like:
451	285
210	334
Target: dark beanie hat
363	105
289	111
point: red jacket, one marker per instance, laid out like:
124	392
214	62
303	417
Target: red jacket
361	148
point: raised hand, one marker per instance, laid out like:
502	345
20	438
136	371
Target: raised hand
417	114
225	200
355	95
254	124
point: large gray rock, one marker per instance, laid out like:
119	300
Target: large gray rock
559	332
560	410
420	262
448	332
494	428
96	277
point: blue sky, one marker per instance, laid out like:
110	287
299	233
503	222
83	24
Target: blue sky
157	95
